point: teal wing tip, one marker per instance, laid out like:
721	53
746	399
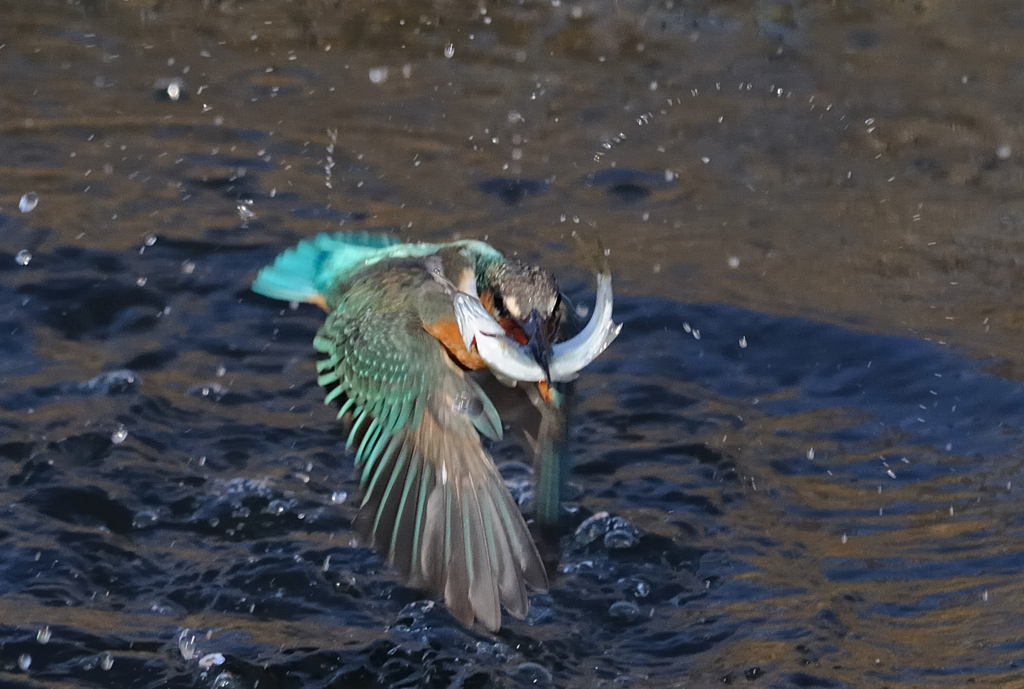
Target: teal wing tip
297	273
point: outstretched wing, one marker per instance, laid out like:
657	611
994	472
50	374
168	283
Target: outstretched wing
433	502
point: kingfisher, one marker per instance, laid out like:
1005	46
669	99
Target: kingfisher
413	331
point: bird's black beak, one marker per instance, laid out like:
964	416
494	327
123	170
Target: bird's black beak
537	340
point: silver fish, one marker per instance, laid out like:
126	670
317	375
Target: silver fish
512	360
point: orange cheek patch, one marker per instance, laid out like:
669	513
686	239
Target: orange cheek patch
513	330
510	327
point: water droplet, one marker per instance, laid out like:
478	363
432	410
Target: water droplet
378	75
141	282
449	50
119	436
111	383
464	403
245	211
24	662
188	267
106	660
23	257
211	659
187	644
28	202
43	635
338	497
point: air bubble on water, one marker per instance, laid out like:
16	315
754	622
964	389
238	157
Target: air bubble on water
145	518
532	674
225	680
620	538
28	202
43	635
119	436
625	610
378	75
23	257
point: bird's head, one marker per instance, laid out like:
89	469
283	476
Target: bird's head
529	297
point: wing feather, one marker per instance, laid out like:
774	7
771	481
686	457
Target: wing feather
433	502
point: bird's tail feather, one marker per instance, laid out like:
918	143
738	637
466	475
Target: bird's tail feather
306	271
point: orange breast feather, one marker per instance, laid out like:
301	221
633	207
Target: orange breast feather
447	332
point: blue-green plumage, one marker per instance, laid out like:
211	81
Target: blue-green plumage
433	503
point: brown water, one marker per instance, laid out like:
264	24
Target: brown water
813	415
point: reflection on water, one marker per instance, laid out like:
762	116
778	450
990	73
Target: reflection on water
783	473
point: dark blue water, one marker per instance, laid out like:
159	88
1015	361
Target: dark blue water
784	512
755	500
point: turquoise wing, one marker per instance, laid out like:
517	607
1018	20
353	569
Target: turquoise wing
433	503
309	271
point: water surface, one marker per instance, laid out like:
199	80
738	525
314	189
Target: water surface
806	439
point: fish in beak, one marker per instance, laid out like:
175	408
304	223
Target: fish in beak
537	360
